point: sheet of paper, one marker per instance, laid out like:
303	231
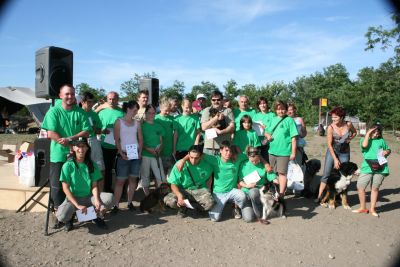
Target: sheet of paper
110	137
211	133
252	177
132	151
187	203
258	128
90	215
381	158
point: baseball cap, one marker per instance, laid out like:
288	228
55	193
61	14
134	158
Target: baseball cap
196	105
201	96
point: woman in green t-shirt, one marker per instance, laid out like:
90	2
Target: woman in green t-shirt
79	178
372	170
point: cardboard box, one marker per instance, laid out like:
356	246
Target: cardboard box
26	147
8	152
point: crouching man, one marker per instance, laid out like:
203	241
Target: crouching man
188	179
79	177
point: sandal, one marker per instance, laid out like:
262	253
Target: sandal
375	214
360	211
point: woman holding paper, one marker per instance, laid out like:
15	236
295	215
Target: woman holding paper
129	142
263	119
79	177
253	174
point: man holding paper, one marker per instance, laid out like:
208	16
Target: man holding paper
188	179
109	112
79	177
218	127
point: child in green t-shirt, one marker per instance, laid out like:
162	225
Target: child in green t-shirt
246	136
373	146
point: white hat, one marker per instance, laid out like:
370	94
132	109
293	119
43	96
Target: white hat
200	96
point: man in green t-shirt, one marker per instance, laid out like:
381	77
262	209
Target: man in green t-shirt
225	181
96	153
64	123
243	109
109	112
190	183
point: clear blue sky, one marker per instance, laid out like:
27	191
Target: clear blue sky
250	41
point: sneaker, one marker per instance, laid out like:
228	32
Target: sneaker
58	224
100	223
182	212
114	210
236	213
131	207
68	226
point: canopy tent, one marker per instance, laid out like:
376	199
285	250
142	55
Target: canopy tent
23	96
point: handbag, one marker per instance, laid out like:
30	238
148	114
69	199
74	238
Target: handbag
374	165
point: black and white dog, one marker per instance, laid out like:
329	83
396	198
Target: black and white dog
272	204
338	182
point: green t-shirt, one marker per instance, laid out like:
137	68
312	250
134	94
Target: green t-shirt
371	152
78	178
244	138
108	117
264	119
169	126
151	136
187	127
247	167
281	145
94	120
66	123
238	114
200	173
225	173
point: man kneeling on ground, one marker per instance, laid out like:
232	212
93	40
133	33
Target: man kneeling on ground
79	177
188	180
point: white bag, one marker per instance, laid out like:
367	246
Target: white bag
295	177
26	167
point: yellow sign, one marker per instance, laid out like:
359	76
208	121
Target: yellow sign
324	102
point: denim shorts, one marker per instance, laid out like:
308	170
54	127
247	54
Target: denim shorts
127	168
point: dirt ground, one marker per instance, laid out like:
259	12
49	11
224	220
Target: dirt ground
310	236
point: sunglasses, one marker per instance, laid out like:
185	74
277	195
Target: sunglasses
215	99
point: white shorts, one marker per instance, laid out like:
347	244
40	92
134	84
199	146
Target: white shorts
157	169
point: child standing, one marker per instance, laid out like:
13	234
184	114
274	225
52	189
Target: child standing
246	136
373	146
152	145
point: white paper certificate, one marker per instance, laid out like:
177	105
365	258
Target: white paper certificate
381	158
90	214
252	178
211	133
109	139
132	151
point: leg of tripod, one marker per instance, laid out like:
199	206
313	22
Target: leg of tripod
49	209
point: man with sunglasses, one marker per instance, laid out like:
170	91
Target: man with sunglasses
213	118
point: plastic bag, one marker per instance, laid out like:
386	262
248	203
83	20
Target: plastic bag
295	177
26	167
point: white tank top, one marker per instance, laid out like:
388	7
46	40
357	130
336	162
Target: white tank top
128	134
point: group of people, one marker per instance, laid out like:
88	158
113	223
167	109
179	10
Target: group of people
204	153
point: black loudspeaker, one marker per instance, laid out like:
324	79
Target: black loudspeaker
53	69
153	86
42	160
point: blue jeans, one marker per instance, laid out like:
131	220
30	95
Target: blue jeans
235	195
343	157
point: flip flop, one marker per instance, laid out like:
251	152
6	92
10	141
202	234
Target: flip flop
375	214
360	211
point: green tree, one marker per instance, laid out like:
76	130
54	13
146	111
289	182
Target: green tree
386	38
176	90
205	88
231	90
130	88
84	87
